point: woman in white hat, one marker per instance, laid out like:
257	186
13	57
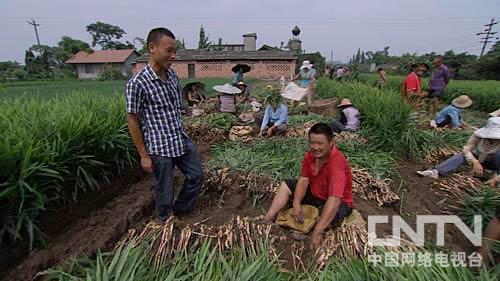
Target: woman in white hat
482	151
307	79
349	120
227	97
450	116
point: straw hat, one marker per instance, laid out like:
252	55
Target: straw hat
306	64
242	84
491	130
495	113
227	89
462	101
344	102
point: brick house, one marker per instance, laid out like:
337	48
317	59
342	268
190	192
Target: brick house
90	65
266	63
204	63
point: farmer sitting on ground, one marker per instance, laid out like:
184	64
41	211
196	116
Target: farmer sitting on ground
325	182
349	120
194	95
244	96
226	98
275	121
482	151
450	115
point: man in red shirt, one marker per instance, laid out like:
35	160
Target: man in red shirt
325	182
411	85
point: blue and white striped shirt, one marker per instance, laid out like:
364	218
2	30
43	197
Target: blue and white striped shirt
158	104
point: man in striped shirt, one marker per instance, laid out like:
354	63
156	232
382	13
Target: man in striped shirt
154	100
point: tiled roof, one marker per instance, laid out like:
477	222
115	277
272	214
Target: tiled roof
104	56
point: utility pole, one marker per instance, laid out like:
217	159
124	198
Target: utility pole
489	35
35	25
331	57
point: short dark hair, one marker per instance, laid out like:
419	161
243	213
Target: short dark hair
380	69
157	33
322	129
413	66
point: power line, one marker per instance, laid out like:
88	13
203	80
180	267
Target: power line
35	25
489	35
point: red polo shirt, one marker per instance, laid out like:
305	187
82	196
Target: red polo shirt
334	178
411	83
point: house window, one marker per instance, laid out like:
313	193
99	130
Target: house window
88	68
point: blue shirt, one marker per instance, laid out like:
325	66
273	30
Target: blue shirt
238	77
158	104
278	117
451	113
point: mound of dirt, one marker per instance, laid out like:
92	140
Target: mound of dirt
205	133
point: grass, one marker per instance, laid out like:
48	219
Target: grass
50	89
55	152
282	158
208	263
56	88
223	121
387	121
482	202
279	159
485	94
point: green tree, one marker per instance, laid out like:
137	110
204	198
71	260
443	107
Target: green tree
203	41
10	70
143	47
488	66
180	44
357	58
218	46
107	35
68	46
40	61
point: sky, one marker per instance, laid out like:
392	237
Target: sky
327	25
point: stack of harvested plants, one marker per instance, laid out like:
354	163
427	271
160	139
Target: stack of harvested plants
168	238
439	154
457	184
370	187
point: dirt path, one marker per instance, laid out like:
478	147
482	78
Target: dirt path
100	230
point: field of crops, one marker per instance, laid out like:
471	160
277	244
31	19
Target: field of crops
57	150
485	94
48	89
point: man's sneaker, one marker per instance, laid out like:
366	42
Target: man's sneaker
431	173
433	124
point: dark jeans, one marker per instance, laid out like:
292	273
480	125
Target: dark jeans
452	163
343	212
190	165
435	93
338	127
